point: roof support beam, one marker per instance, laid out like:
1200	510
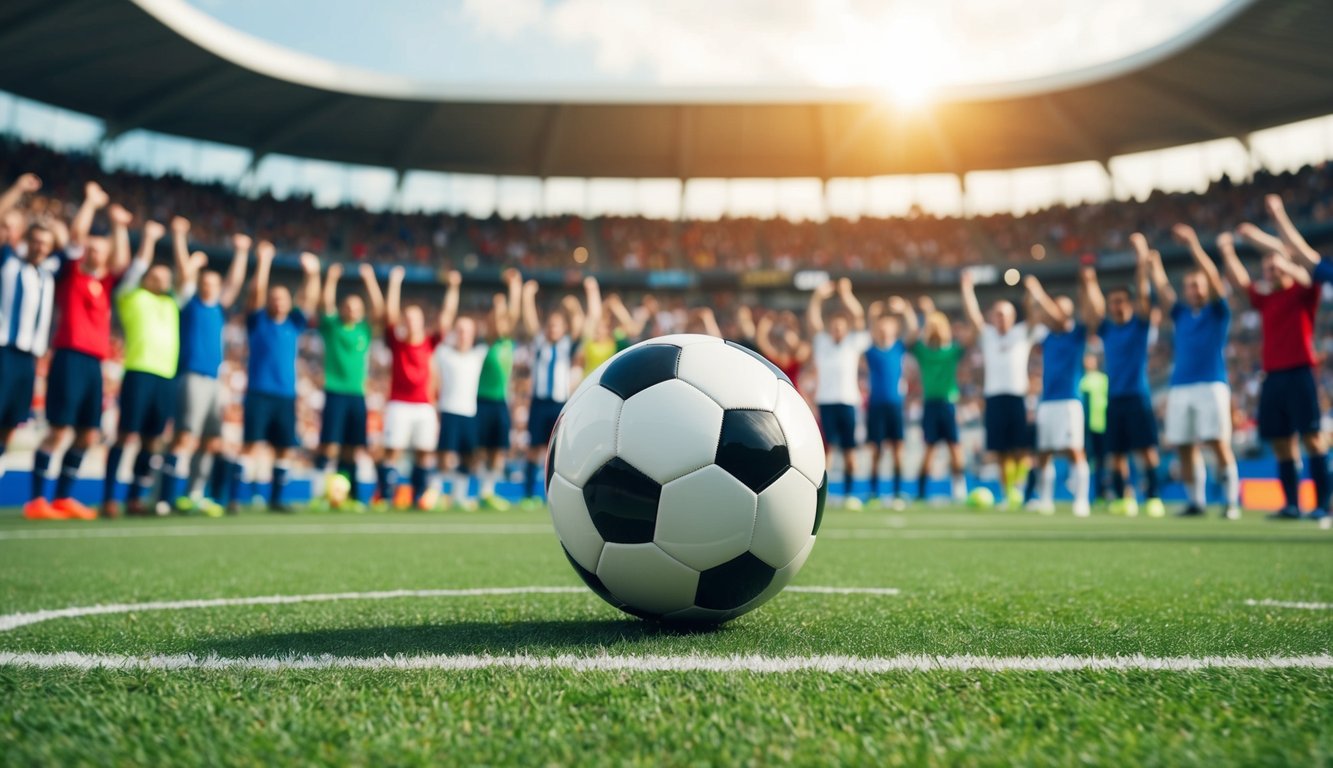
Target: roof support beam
180	93
291	128
823	125
1201	113
548	136
684	147
411	140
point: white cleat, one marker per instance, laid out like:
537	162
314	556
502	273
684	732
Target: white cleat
1232	513
852	504
1082	509
898	505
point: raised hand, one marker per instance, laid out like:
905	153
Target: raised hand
366	271
1226	241
826	290
397	274
120	216
335	272
29	183
1032	284
153	230
1185	234
92	193
265	251
198	260
240	242
309	263
897	305
844	286
1140	244
967	280
180	225
530	289
1087	275
454	278
511	275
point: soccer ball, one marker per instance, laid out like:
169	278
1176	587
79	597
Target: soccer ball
981	498
337	489
686	480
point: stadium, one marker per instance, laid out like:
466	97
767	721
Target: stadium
616	388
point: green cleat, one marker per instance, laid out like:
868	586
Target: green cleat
1154	508
184	505
211	508
494	503
530	504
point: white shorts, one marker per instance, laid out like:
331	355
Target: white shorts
1198	412
1060	425
410	425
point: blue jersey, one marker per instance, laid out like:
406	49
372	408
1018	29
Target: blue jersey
1126	348
201	337
1201	341
886	372
273	352
1062	363
1323	271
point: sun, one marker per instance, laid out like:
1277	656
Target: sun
911	62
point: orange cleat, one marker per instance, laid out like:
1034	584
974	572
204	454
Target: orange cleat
402	497
110	510
41	509
72	509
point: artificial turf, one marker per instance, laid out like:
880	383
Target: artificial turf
986	584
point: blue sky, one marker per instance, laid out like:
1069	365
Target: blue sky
638	44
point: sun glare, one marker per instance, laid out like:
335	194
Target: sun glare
914	53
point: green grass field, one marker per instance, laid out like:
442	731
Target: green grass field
970	584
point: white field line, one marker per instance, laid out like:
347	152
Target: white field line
756	664
13	621
1269	603
295	529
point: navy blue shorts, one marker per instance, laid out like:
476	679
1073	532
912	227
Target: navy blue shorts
1006	422
1096	444
939	422
458	434
1288	404
147	404
838	423
343	421
74	390
493	424
541	420
1130	424
270	419
884	422
18	372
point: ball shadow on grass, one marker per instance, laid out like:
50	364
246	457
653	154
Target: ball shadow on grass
455	638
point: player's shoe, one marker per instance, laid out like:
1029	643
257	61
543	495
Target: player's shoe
281	508
1154	508
430	499
1317	515
898	504
210	508
1082	508
1043	507
494	503
852	504
1125	507
1231	513
467	505
72	509
111	509
185	505
402	497
1286	513
1014	499
875	504
41	509
1193	510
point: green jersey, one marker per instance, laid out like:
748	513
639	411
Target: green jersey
345	350
1094	390
495	370
939	370
152	324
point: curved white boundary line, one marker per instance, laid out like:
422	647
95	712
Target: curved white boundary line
755	663
13	621
1269	603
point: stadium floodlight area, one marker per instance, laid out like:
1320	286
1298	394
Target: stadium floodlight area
1250	65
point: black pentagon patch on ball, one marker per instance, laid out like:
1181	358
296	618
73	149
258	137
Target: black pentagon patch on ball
622	502
776	370
821	496
734	583
752	448
639	369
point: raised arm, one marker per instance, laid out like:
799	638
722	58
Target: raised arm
709	321
1186	234
263	264
1297	248
971	307
1166	295
1296	272
852	304
180	250
25	184
240	262
814	313
632	327
1091	300
592	293
328	297
763	337
531	323
899	306
120	234
308	301
1044	306
374	297
393	297
94	200
152	233
1142	273
449	307
745	322
501	324
574	311
513	281
1236	272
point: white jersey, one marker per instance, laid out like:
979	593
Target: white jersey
837	366
553	369
1005	358
459	376
27	301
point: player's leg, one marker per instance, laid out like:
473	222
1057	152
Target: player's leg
958	485
397	433
1308	423
876	435
64	395
493	426
1082	481
425	439
1215	432
847	443
332	424
923	474
1150	460
1226	467
1279	426
931	435
1045	471
541	423
354	442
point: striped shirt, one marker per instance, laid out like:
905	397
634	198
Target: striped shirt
552	369
27	298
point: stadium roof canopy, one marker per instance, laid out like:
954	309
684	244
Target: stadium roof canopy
164	66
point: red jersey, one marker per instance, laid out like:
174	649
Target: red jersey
793	370
1288	318
84	304
409	381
